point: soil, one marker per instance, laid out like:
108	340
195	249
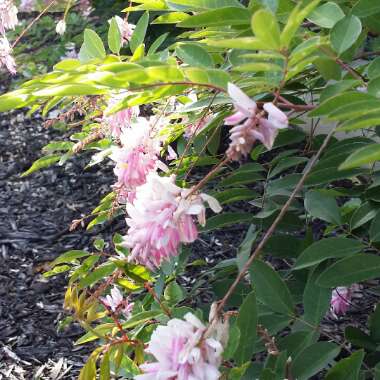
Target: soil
35	213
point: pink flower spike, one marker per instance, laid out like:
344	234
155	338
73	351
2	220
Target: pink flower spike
276	117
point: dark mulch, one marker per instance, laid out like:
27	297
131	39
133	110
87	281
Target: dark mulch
35	213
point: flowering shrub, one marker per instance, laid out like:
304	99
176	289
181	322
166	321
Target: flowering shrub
262	94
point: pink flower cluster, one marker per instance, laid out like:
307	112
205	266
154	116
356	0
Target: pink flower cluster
8	20
116	302
251	125
183	352
161	217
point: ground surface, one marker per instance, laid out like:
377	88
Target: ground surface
35	213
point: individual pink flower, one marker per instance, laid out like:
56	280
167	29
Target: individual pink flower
161	217
6	58
251	125
116	302
8	15
340	300
126	29
182	352
121	119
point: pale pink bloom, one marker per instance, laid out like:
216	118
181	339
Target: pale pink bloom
161	217
340	300
121	119
8	15
61	27
27	5
126	29
132	166
251	125
182	352
6	58
172	155
116	302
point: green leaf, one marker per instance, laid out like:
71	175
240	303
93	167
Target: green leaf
361	267
323	207
218	17
324	249
359	338
345	33
271	290
194	55
71	90
246	43
157	43
366	212
332	103
374	68
367	155
98	274
295	20
70	256
286	163
348	368
171	18
265	27
316	300
114	37
235	195
374	324
138	35
206	4
246	247
42	163
88	372
241	178
227	219
295	342
105	368
326	15
174	293
233	342
247	324
365	8
237	373
374	231
93	44
314	358
58	269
